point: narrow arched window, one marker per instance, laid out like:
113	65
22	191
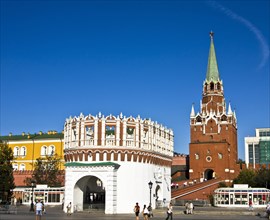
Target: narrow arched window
198	119
22	166
218	86
23	151
15	166
43	151
212	86
51	150
16	151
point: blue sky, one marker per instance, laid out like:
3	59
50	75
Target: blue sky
147	58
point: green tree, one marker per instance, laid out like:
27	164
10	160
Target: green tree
262	177
6	172
46	171
246	176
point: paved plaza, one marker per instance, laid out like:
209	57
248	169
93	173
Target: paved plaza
55	213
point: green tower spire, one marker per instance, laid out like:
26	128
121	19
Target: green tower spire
212	68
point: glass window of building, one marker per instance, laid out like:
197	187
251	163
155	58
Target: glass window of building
250	153
43	151
16	151
51	150
257	153
15	166
23	151
22	166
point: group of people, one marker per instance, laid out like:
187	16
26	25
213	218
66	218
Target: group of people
189	208
40	209
147	212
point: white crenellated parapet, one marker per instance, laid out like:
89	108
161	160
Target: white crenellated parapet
118	131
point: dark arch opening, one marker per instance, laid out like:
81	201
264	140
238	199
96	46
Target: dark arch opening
212	86
93	193
209	174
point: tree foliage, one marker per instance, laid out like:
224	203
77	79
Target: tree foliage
258	178
46	171
6	172
262	177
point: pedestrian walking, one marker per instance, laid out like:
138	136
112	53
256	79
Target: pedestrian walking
137	210
145	212
69	209
63	202
187	208
39	208
250	205
191	207
267	210
169	212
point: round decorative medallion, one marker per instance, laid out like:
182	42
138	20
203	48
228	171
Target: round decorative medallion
208	158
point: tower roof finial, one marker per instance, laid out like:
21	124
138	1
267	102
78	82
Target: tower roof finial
211	34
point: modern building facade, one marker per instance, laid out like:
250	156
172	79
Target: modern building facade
257	149
112	161
213	130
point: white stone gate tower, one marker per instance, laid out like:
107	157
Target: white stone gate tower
110	161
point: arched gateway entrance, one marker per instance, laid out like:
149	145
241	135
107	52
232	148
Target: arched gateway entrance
209	174
91	185
90	192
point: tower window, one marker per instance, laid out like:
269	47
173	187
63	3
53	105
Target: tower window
197	157
198	119
211	86
218	86
223	118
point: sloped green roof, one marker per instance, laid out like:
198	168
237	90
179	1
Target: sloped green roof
77	164
32	136
212	74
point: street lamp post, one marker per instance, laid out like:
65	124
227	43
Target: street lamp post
32	199
150	184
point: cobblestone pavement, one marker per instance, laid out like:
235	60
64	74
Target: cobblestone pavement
55	213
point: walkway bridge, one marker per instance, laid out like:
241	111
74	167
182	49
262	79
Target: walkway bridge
197	188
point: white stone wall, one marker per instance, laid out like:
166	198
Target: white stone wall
123	186
132	185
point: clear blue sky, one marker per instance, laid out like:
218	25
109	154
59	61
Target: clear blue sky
147	58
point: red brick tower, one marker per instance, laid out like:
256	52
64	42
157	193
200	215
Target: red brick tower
213	130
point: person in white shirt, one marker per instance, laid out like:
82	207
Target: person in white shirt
39	208
145	212
191	206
